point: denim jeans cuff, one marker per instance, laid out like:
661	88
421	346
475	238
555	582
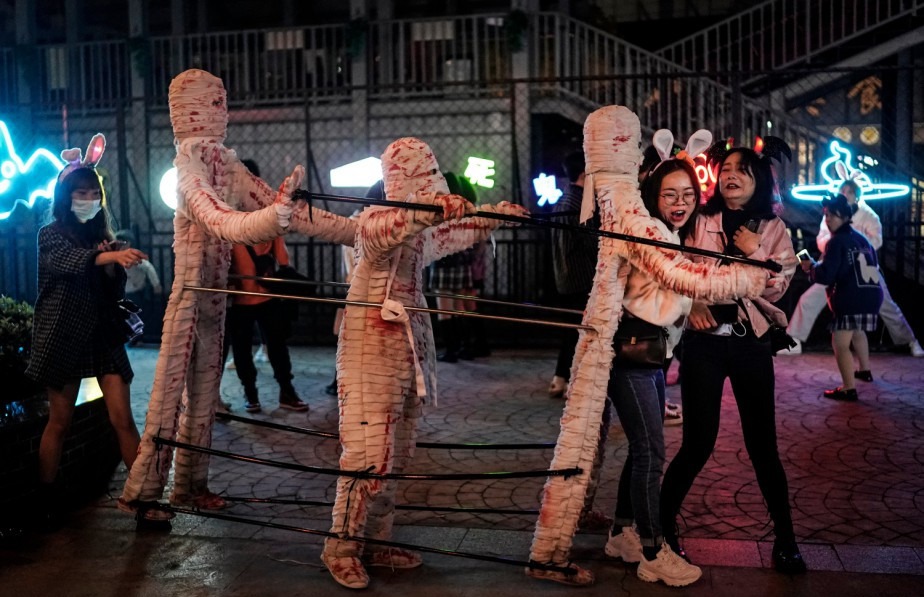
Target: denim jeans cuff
652	541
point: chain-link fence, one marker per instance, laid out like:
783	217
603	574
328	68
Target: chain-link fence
501	136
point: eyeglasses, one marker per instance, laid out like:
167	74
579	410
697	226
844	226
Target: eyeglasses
674	198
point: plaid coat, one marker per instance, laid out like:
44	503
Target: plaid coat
74	303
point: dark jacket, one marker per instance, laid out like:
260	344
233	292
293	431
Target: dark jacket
75	298
850	270
574	254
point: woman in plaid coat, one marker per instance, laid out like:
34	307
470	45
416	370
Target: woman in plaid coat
81	276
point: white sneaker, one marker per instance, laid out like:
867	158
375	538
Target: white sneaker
797	349
916	350
558	388
627	545
260	356
669	568
672	416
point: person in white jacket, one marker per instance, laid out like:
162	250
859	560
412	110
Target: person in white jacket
813	300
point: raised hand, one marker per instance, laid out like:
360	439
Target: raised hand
283	203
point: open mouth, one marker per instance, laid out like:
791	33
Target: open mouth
678	215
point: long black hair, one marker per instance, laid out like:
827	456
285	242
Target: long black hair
763	204
651	189
96	229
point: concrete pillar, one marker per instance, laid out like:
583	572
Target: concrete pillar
360	79
134	152
520	110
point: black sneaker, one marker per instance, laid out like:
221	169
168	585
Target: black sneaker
251	401
863	375
290	400
331	388
842	394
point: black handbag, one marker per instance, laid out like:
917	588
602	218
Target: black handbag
639	344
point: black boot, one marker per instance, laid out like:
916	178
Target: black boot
452	340
479	339
331	388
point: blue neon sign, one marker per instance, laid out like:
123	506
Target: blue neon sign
24	181
837	169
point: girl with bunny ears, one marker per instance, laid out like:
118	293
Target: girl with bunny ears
81	276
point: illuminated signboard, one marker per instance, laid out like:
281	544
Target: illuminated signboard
546	189
24	181
363	173
838	168
480	171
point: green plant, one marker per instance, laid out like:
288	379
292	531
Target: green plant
15	334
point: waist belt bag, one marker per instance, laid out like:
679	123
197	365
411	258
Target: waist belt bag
639	344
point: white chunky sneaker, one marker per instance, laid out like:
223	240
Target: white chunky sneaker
627	545
916	350
673	415
797	349
669	568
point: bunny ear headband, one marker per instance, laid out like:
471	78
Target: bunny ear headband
663	142
74	160
772	147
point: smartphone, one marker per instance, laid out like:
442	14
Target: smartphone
752	225
803	255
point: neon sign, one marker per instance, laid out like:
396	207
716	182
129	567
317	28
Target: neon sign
836	170
480	171
37	174
706	173
546	189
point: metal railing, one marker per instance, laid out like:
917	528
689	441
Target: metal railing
781	33
260	65
88	74
421	55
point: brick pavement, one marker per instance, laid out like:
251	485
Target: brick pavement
854	471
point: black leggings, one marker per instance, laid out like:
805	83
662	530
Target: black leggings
748	363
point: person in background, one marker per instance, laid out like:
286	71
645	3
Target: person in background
850	272
81	276
729	340
455	274
270	315
813	300
139	277
574	262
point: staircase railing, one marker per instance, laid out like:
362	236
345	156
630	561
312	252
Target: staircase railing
781	33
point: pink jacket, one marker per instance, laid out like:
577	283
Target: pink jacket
775	244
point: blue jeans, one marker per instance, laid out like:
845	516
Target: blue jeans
638	395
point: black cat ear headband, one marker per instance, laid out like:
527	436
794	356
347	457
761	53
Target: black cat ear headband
769	147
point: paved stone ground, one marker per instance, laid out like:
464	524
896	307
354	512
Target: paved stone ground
854	469
855	475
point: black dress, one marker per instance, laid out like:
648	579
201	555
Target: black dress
74	313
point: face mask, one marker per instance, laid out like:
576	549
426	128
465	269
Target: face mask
85	209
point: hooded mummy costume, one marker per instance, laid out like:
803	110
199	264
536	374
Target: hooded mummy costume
612	155
219	202
385	357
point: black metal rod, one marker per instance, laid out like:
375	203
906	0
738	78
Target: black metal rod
340	301
420	548
542	223
466	297
427	445
450	510
369	475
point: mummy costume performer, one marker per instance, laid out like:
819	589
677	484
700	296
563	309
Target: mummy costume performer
611	147
386	357
219	202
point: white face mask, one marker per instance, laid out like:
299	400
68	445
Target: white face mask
85	209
